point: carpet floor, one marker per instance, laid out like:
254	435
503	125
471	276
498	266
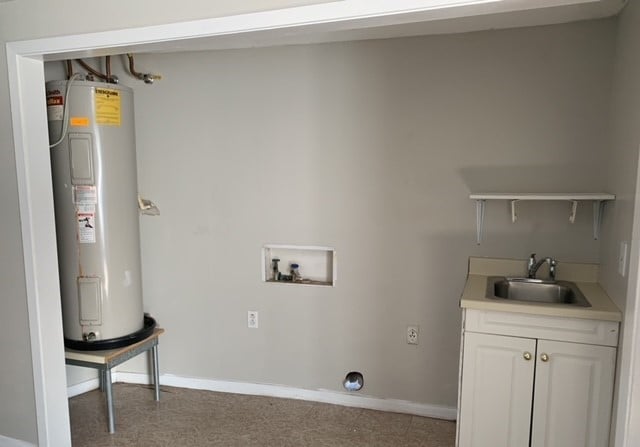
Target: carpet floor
185	417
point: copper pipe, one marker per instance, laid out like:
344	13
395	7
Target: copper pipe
108	67
132	69
91	70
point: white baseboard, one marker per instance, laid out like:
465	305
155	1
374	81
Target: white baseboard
11	442
326	396
82	387
257	389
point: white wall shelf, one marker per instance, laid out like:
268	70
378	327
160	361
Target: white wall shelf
318	265
598	200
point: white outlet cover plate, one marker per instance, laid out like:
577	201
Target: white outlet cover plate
411	338
252	319
622	258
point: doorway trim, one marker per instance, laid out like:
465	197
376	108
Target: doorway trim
25	61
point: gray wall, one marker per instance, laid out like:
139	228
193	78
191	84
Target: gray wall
622	149
372	148
621	174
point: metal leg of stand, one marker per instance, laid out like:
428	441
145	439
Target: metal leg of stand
156	372
109	387
102	379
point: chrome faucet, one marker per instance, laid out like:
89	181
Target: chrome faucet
533	266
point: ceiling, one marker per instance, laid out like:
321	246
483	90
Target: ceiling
341	20
483	15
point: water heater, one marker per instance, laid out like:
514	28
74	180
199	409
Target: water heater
96	213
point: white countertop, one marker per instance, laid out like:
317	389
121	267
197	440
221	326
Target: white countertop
583	275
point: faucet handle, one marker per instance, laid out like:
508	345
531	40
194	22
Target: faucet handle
552	268
531	266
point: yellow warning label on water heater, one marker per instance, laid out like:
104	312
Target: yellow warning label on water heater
107	106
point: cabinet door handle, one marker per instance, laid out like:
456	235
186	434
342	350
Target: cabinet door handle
544	357
526	355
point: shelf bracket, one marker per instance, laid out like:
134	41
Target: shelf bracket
514	215
479	219
574	208
598	208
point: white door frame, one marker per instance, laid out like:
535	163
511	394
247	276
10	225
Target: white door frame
26	80
39	247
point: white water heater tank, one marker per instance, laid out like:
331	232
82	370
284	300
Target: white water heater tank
96	211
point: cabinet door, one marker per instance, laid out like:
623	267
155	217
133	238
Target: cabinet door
497	384
573	392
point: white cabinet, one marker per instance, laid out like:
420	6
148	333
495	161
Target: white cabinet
496	391
534	392
573	391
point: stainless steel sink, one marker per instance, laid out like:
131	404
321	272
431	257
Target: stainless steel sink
535	290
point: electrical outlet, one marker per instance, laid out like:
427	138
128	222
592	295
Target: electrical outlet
622	258
412	334
252	319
